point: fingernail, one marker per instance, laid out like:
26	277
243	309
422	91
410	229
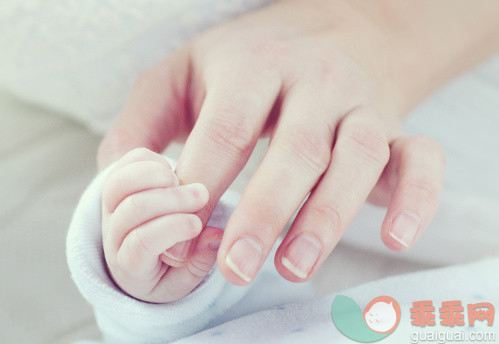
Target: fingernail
179	251
215	244
405	227
244	258
301	255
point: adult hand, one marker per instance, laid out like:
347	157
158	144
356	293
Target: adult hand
329	82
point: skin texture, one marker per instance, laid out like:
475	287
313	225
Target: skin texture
329	82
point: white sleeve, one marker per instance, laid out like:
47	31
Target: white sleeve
123	319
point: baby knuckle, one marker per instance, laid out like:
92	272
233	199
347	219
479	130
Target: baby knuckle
133	206
108	191
198	267
126	259
119	179
163	173
123	262
192	222
115	226
174	194
140	242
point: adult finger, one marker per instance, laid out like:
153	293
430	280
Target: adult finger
155	112
417	175
231	118
360	153
298	155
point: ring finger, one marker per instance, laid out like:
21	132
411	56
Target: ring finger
358	158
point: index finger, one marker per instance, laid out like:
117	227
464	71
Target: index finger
230	121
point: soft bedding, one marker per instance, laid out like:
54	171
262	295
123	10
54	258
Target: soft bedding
47	159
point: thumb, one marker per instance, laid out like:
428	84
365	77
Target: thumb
205	253
180	281
154	115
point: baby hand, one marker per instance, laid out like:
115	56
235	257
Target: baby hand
146	211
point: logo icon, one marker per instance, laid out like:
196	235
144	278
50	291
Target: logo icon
380	318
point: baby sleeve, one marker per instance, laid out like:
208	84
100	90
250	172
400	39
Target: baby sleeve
123	319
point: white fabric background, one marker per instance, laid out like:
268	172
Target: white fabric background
82	57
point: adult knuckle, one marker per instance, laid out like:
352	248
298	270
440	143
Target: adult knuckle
261	47
233	131
330	71
313	152
369	142
426	188
334	71
429	145
265	54
329	214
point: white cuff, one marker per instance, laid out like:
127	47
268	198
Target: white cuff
122	318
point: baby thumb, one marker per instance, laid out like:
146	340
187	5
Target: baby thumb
205	253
